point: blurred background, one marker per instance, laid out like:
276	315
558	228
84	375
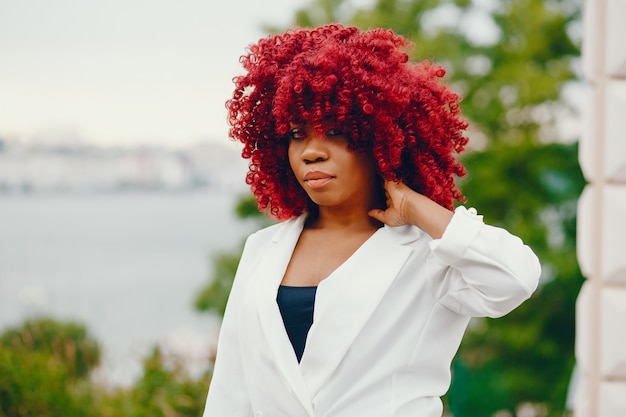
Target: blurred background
123	204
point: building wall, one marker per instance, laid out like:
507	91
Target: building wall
601	306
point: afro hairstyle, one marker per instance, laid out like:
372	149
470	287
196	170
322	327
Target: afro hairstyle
394	110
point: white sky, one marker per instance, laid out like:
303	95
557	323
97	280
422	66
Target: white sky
125	72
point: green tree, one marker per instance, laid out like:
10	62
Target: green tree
527	356
44	371
510	75
165	389
43	368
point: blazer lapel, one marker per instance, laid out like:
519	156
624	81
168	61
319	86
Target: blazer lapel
346	299
268	278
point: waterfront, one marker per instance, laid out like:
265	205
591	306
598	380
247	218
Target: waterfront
126	264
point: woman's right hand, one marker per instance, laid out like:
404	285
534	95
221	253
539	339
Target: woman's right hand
405	206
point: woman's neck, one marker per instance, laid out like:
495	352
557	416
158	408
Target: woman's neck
327	218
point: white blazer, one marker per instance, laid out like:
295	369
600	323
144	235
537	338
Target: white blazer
386	326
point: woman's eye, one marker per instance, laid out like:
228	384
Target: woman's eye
334	132
297	134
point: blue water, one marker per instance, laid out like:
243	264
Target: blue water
127	265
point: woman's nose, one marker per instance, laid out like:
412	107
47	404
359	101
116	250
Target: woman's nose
315	150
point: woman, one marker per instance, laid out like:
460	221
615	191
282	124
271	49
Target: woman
355	302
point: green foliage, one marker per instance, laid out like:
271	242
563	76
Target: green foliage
247	208
531	189
44	369
67	343
214	295
34	384
527	356
164	390
43	366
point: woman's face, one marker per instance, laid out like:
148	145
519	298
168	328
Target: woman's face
332	175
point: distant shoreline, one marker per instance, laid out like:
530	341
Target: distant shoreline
126	264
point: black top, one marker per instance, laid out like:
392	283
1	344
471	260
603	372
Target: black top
296	307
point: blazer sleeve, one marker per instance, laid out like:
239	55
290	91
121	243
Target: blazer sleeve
489	271
228	393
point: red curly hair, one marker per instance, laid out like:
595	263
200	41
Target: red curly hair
396	111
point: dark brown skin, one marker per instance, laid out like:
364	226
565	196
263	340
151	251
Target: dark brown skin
342	184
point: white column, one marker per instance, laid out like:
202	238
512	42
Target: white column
601	241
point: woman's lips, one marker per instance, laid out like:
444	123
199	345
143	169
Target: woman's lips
317	179
319	183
